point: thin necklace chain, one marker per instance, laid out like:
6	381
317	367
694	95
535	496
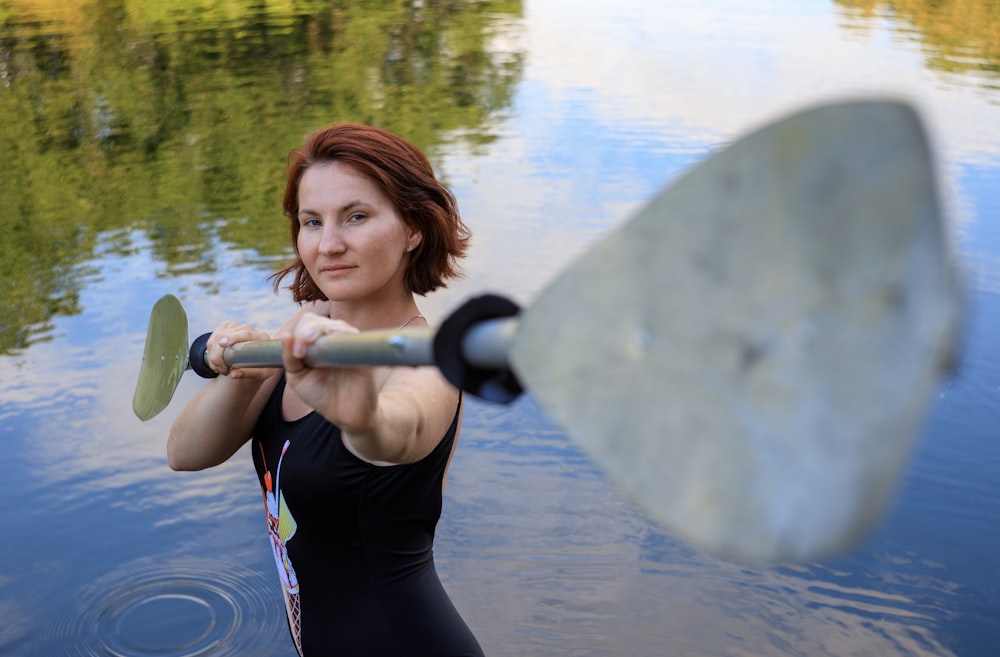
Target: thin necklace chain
410	320
407	321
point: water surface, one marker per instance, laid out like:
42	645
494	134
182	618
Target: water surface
143	145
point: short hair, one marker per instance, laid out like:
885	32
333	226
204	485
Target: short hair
406	177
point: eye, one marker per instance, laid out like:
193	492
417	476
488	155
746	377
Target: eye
356	217
309	221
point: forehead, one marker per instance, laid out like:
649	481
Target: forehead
337	183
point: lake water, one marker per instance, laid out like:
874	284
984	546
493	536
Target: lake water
142	144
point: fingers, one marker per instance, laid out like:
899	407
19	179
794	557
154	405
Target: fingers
297	339
293	364
226	335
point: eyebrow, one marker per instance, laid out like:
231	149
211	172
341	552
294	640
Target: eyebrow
344	208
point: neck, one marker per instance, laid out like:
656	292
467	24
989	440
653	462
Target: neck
381	316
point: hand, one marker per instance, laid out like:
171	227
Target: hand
226	335
346	396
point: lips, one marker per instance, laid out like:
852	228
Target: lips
335	270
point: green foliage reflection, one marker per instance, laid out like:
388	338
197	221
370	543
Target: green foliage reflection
959	36
174	117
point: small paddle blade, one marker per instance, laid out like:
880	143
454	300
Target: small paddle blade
752	354
164	358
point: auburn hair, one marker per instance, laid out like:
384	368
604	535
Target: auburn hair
406	177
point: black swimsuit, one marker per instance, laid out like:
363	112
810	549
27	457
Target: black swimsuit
353	542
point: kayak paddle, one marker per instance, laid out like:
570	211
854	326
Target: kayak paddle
749	357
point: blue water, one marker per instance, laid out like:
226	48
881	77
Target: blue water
108	552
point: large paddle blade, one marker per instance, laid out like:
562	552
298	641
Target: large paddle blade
751	355
164	358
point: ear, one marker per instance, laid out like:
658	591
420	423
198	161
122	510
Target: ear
413	240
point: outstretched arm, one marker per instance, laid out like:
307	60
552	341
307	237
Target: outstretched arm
219	418
386	415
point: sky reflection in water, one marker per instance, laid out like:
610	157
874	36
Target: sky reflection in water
542	557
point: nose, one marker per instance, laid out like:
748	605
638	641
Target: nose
331	240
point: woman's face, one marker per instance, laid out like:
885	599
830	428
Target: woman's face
351	239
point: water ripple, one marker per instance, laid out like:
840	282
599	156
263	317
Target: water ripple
178	608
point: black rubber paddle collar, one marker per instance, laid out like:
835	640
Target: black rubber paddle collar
196	357
498	385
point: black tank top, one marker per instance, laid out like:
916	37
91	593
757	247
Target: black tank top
353	542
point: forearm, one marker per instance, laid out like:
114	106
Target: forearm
213	425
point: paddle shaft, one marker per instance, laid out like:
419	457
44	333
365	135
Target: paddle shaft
484	345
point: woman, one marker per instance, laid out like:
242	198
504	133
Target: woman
351	460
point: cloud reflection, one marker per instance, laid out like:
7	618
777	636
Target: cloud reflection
722	67
620	98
